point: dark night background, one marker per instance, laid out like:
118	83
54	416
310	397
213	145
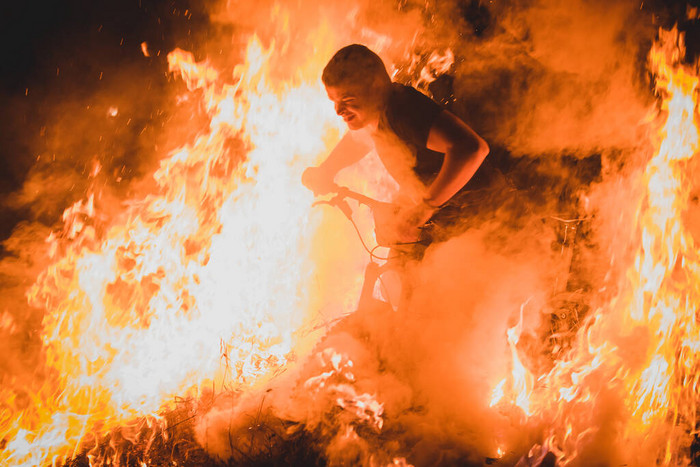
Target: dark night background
69	57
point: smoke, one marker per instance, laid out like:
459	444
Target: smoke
539	79
452	349
553	77
558	84
432	364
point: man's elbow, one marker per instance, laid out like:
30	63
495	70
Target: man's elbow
482	150
475	149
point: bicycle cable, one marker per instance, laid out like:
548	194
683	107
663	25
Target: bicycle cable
372	256
369	251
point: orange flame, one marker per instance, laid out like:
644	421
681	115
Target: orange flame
201	282
641	347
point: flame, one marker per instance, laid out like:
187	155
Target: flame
640	348
437	64
202	282
336	380
521	382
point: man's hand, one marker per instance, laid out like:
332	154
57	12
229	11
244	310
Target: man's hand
317	180
401	224
409	221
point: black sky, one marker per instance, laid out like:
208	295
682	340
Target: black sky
62	53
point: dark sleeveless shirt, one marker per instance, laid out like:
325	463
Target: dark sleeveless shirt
410	115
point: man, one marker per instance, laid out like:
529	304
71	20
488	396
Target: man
429	151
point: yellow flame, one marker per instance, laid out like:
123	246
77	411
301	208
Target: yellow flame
655	370
203	280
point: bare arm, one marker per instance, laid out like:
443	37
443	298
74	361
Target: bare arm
352	147
464	152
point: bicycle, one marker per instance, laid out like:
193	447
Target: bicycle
393	262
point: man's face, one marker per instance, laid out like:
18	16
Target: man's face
355	105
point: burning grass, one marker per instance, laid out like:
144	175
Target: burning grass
169	439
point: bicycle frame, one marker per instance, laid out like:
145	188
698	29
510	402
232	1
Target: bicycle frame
373	271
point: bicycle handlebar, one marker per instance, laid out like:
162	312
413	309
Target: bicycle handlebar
359	197
380	209
345	192
342	193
